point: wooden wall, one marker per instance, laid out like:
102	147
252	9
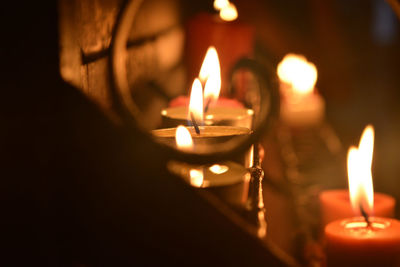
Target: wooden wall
155	47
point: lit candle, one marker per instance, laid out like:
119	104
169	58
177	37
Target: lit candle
209	136
232	38
301	105
335	204
217	111
210	77
366	240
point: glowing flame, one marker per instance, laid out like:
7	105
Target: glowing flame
218	169
210	64
196	102
213	87
296	71
183	138
220	4
229	13
359	163
227	10
196	177
210	74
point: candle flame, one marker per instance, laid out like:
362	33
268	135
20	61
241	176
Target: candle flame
227	10
212	87
196	102
220	4
210	64
183	138
196	177
296	71
359	161
210	74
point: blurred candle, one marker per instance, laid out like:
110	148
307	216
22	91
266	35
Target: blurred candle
301	105
335	204
367	240
233	39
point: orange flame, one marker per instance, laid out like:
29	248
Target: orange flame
196	102
210	74
359	163
196	177
183	138
296	71
227	10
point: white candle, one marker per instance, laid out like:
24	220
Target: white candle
301	105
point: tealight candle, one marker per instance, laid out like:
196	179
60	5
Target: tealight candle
172	117
301	105
209	136
211	109
352	242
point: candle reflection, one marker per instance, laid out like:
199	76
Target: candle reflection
218	169
196	177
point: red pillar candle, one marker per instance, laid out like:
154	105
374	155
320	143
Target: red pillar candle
367	240
350	242
335	205
232	39
339	204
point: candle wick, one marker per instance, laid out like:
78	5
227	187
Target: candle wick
365	215
207	105
196	126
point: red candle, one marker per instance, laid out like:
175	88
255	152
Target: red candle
339	204
350	242
335	205
232	39
362	241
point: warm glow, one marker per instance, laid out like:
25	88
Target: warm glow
213	87
296	71
359	163
183	138
229	13
196	177
210	64
210	74
227	10
196	102
218	169
220	4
